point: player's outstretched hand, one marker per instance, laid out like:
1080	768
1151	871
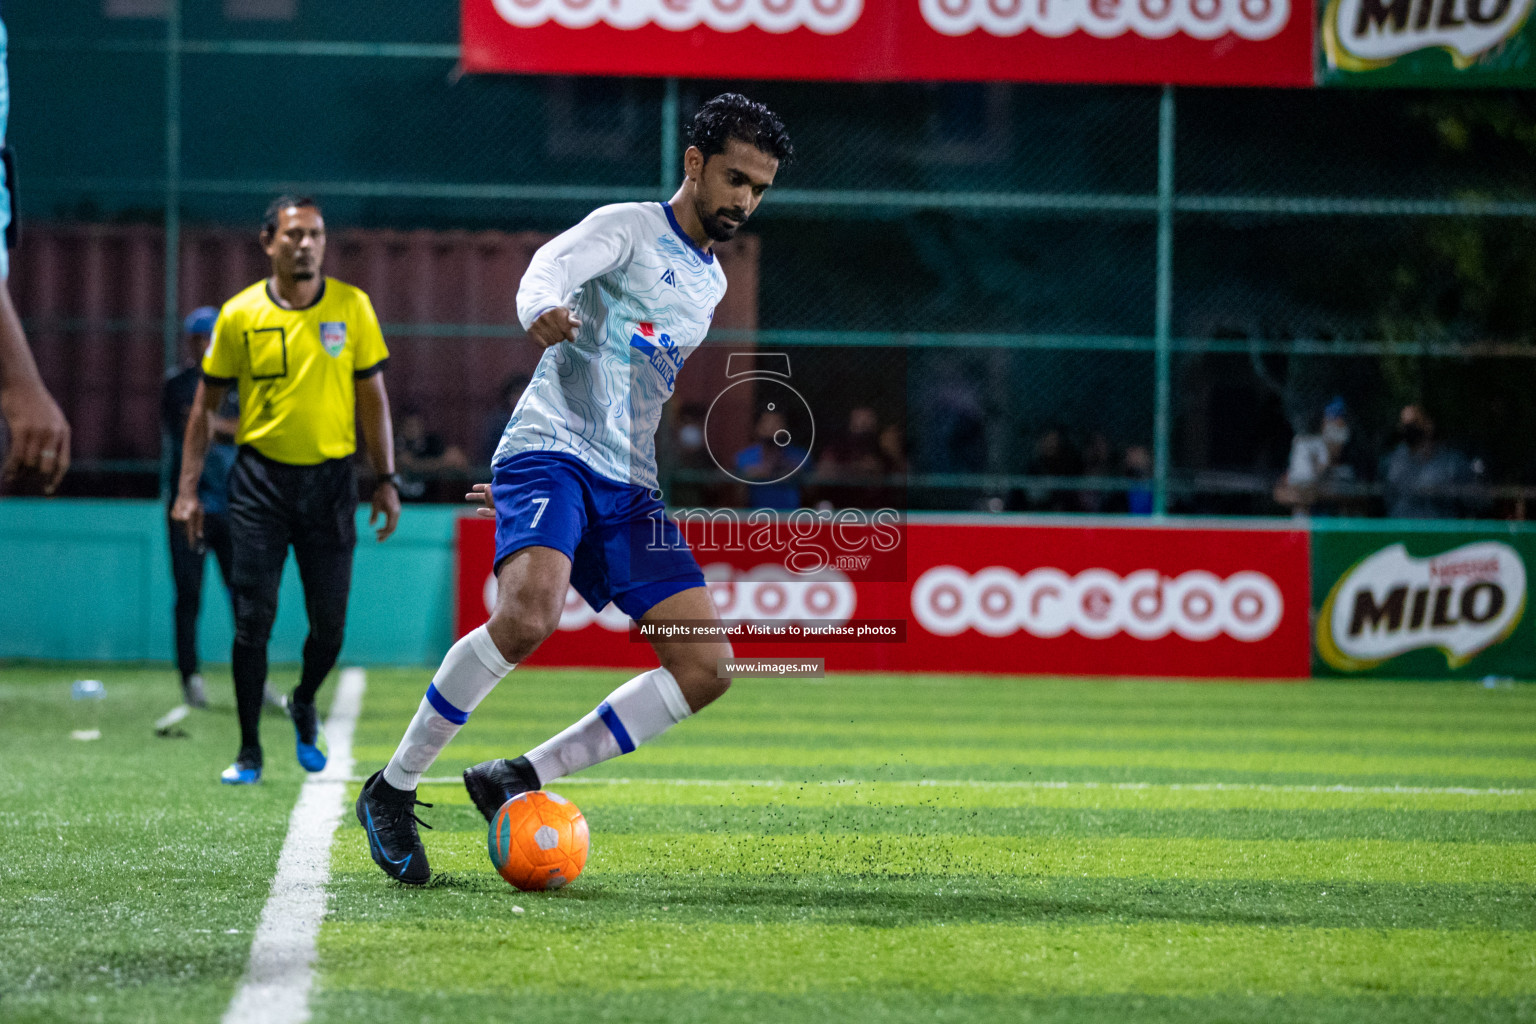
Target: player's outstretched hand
554	326
386	503
480	494
39	434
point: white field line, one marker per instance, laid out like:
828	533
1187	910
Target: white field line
1225	787
275	989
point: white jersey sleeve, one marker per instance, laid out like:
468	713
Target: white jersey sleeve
600	244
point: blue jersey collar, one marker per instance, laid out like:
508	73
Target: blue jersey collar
706	255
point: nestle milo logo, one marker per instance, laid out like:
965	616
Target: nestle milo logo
1361	35
1462	602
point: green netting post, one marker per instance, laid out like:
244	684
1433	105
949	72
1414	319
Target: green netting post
171	325
1162	327
669	138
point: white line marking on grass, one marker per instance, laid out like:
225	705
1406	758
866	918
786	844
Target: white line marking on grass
1229	787
275	989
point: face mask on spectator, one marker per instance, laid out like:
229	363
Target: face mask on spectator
1336	433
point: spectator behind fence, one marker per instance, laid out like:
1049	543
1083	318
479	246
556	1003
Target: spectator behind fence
421	455
1137	499
688	453
1098	461
1319	464
855	454
188	559
775	461
1424	478
857	466
953	421
496	420
1054	455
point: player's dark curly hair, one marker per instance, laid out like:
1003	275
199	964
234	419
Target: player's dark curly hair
278	205
732	116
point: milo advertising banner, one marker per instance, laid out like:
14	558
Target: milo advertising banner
1423	605
1428	43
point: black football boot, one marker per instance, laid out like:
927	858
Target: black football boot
493	783
387	815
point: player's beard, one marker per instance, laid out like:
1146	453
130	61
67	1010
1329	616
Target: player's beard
716	227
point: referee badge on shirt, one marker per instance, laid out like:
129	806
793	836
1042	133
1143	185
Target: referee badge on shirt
333	335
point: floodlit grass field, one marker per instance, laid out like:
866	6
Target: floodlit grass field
863	848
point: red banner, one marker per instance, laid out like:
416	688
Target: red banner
1184	42
1101	600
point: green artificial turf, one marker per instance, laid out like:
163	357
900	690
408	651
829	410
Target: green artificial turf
874	848
130	879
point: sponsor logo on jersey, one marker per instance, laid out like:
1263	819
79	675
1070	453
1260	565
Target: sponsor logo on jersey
1462	602
1105	19
824	17
1363	35
333	336
669	278
659	350
1097	603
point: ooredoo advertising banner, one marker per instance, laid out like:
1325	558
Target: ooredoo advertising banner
1053	600
1423	605
1190	42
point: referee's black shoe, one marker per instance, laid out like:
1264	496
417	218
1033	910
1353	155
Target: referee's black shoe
387	815
493	783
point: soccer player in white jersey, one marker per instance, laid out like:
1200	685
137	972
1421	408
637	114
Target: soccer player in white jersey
617	303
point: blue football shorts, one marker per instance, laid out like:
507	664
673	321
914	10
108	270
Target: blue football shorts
622	545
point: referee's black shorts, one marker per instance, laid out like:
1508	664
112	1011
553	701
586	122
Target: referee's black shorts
273	504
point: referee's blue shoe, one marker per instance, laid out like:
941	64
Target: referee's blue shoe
246	771
309	739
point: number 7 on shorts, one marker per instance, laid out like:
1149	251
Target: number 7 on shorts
543	503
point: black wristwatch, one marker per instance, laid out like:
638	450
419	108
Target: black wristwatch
393	479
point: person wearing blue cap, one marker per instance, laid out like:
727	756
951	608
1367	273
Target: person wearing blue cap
213	488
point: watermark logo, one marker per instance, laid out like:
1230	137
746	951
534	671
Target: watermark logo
1363	35
824	17
1106	19
785	449
1461	602
870	544
767	592
1097	603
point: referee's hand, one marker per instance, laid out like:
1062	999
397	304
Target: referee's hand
188	510
386	503
554	326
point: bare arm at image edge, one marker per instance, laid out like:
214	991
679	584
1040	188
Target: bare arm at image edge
39	432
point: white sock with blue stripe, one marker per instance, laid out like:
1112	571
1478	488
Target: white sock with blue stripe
640	710
471	670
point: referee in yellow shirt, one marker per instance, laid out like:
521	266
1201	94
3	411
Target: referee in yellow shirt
307	355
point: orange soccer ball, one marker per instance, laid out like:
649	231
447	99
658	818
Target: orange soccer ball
538	840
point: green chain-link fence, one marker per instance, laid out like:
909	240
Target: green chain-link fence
1062	297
